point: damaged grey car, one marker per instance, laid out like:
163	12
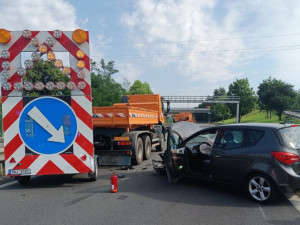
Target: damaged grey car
262	158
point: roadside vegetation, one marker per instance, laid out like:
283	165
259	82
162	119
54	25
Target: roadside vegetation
257	116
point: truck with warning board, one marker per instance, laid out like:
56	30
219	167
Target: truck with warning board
125	133
46	135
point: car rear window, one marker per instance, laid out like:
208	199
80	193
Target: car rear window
253	136
290	137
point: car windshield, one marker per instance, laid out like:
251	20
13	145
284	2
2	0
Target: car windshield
290	137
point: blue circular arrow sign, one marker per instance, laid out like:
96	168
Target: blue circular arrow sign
48	125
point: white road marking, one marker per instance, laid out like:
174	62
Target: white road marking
262	212
8	184
294	199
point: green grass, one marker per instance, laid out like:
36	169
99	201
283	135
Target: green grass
257	116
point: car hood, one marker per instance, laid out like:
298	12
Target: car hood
186	129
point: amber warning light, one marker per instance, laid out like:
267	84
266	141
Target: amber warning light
42	47
4	36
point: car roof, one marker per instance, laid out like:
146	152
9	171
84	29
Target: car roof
186	129
257	125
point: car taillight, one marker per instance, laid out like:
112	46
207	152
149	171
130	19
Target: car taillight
285	157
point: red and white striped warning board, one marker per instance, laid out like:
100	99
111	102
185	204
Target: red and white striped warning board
31	137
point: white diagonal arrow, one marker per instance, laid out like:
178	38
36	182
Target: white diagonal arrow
37	116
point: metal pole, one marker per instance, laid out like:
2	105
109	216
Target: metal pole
237	112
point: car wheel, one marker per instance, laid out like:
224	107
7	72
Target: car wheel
260	188
139	150
147	147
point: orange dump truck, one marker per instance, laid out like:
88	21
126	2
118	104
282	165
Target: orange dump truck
125	133
184	116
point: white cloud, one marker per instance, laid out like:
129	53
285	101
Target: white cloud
202	39
280	21
180	27
37	15
127	71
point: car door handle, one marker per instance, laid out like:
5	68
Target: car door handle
217	156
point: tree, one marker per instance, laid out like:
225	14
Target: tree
220	92
220	111
45	71
126	84
296	104
105	90
276	95
265	93
102	68
247	96
138	88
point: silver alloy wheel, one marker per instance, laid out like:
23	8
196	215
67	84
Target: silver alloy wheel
259	188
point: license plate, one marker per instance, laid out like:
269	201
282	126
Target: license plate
17	172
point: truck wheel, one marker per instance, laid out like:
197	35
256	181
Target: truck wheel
147	147
23	180
161	146
93	176
139	150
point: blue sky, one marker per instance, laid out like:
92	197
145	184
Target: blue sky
180	47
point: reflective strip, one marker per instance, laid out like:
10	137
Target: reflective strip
121	139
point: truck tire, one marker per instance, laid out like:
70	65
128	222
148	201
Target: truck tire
161	145
139	152
147	147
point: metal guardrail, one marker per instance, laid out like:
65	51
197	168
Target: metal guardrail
202	99
294	113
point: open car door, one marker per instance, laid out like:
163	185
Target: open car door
174	158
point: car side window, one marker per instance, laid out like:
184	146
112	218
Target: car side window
252	136
231	139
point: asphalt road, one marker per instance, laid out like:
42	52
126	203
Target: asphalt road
144	197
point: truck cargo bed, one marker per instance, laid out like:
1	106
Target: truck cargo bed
123	115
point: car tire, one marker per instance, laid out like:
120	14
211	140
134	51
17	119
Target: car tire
147	147
23	180
139	152
161	145
260	188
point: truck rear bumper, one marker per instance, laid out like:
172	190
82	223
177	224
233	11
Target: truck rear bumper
114	157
